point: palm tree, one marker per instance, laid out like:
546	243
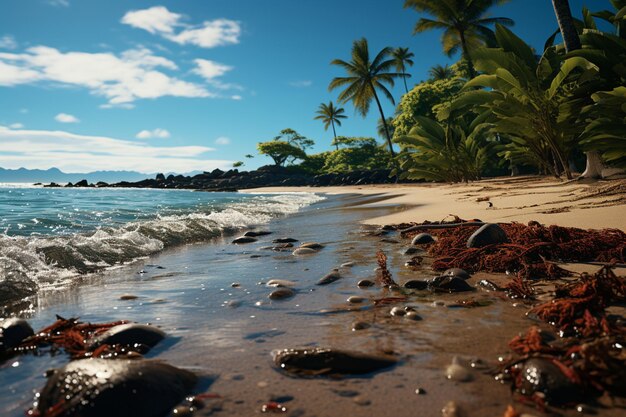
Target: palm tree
364	78
441	72
464	23
402	58
380	127
330	115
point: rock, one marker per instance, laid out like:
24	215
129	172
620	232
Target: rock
389	240
257	233
360	325
304	251
128	297
281	294
457	372
329	278
489	285
105	388
451	409
422	239
328	361
448	284
160	177
355	299
128	334
235	285
82	183
365	283
284	240
412	315
244	239
416	284
347	265
397	311
457	272
280	283
12	332
311	245
487	234
411	250
542	376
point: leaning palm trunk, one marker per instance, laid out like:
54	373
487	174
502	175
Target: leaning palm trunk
382	115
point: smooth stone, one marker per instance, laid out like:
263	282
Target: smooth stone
106	388
412	315
355	299
487	234
129	334
457	372
489	285
311	245
280	283
284	240
244	239
457	272
347	265
451	409
234	303
448	284
416	284
389	240
360	325
235	285
304	251
12	332
329	278
128	297
422	239
412	250
257	233
361	401
397	311
365	283
281	294
542	376
328	361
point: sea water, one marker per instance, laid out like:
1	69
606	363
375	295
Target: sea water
50	235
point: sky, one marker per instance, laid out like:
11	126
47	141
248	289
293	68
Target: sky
188	85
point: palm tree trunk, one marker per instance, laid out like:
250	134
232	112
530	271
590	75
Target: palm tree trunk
334	133
466	55
382	115
566	24
406	89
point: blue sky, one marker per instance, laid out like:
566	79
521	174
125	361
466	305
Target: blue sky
183	85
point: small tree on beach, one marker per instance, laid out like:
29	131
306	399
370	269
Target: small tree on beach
280	151
331	116
402	58
441	72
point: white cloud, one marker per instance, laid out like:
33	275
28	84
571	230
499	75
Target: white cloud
210	69
66	118
59	3
8	42
23	111
301	83
222	140
160	21
16	126
155	133
236	97
71	152
122	79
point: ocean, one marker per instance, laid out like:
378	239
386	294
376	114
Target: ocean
49	236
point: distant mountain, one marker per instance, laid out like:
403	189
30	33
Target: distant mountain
60	177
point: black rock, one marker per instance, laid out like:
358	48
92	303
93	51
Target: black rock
457	272
416	284
105	388
82	183
328	278
488	285
160	177
12	332
281	294
244	239
422	238
284	240
365	283
129	334
487	234
327	361
411	250
448	284
256	233
542	376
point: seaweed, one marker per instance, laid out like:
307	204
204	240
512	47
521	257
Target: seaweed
384	278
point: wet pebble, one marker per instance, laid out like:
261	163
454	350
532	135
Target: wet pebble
128	297
257	233
365	283
416	284
457	372
233	303
540	375
389	240
304	251
281	294
397	311
311	245
327	361
360	325
457	272
420	391
451	409
329	278
412	315
244	239
129	334
273	407
347	265
487	234
411	251
355	299
12	332
362	401
488	285
448	284
280	283
422	238
284	240
182	411
235	285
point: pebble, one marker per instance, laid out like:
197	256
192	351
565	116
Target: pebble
182	411
487	234
12	332
488	285
355	299
420	391
360	325
280	283
304	251
347	265
458	372
438	303
413	316
126	297
329	278
311	245
129	334
281	294
397	311
361	401
411	251
284	240
244	239
235	285
457	272
389	240
365	283
233	303
257	233
422	238
451	409
416	284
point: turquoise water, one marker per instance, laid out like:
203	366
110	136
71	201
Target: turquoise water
50	235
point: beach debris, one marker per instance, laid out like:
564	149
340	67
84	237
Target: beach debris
284	240
129	334
416	284
304	251
519	288
327	361
104	388
13	331
457	272
312	245
273	407
360	325
257	233
448	283
280	283
422	239
364	283
244	239
488	234
355	299
332	276
383	276
456	371
281	294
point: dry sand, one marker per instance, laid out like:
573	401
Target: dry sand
595	205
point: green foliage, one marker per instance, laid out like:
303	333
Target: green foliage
440	72
450	151
357	153
402	58
314	164
330	115
237	164
294	138
281	151
354	142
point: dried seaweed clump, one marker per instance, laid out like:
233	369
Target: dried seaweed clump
384	277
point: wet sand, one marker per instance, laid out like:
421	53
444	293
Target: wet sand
227	333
